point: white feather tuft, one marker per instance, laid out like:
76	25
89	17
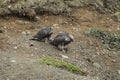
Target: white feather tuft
71	36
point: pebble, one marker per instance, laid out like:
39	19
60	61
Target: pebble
55	25
37	26
98	53
2	30
113	60
119	71
97	65
15	47
63	56
10	41
20	22
118	28
87	32
13	61
32	55
30	44
28	32
24	32
36	48
117	17
106	46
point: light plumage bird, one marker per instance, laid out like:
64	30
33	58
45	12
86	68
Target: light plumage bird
43	34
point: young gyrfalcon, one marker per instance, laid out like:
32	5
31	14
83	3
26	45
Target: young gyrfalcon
62	40
43	34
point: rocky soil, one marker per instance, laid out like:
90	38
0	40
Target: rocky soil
20	61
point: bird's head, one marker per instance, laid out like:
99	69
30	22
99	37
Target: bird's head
71	36
50	30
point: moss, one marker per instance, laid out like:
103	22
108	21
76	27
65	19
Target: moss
107	37
61	64
94	32
73	3
100	2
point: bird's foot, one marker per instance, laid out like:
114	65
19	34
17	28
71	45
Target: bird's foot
46	41
66	49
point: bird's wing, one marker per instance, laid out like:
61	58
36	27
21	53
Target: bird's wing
60	39
63	34
40	35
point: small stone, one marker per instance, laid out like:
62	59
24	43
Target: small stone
117	17
118	28
2	30
55	25
36	48
32	55
30	44
109	30
13	61
97	65
14	51
113	60
43	50
63	56
15	47
20	22
37	25
98	53
28	32
71	24
10	40
106	46
87	32
119	71
24	33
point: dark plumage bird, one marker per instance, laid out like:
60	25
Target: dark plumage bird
63	34
43	34
62	40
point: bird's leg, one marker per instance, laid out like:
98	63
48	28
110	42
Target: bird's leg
63	48
46	40
49	38
60	47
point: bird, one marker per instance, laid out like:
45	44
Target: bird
62	40
63	34
43	34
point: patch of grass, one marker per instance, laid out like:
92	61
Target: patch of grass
100	2
118	9
73	3
94	32
117	14
62	64
107	37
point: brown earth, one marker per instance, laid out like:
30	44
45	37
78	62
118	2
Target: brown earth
20	61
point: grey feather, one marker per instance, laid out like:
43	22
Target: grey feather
43	33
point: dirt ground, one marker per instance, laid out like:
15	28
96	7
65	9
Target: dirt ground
20	61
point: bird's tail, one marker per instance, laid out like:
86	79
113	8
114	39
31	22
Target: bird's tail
34	38
53	43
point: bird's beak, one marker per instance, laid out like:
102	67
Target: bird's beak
72	40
